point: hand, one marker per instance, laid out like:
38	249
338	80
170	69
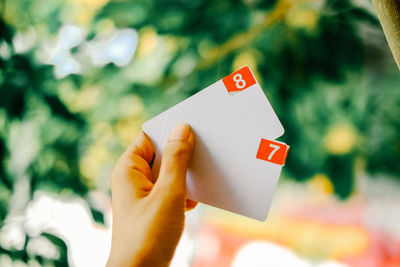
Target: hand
148	213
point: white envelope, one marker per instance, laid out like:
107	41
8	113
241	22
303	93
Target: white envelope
224	171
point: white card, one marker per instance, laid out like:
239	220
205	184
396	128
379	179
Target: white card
228	126
248	109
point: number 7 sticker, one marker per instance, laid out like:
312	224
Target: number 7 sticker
239	80
272	151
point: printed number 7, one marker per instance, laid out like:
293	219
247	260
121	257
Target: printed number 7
275	148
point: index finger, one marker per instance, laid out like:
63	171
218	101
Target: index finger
142	147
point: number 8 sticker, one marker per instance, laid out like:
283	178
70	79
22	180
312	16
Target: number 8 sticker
240	83
239	80
272	151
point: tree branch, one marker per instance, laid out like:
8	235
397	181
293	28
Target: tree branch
242	39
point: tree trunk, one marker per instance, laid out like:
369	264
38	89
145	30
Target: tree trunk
389	15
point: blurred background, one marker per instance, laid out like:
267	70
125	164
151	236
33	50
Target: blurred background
79	77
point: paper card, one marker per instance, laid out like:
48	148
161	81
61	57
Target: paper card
237	107
224	170
248	109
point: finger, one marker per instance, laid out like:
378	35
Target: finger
132	170
141	165
139	154
142	147
129	178
175	160
141	184
190	204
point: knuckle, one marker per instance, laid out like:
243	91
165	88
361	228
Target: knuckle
116	172
134	165
178	149
137	162
113	177
168	193
179	195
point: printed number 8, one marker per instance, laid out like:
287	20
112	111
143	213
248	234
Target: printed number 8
240	83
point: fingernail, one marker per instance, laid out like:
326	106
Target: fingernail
180	132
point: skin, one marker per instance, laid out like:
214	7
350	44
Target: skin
149	212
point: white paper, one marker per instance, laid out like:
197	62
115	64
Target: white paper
224	171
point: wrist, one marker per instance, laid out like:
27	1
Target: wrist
137	260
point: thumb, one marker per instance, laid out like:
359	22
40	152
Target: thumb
175	160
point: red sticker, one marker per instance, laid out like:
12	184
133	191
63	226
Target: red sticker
272	151
239	80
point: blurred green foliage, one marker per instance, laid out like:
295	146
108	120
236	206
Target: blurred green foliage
333	88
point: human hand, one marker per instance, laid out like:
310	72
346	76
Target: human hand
149	213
